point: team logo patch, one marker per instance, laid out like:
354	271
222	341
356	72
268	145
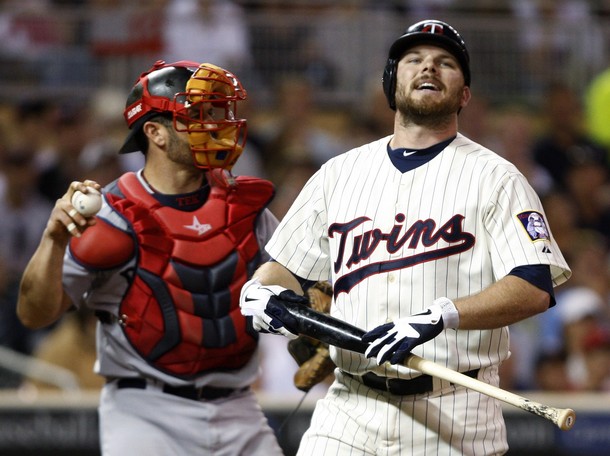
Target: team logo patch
200	228
534	224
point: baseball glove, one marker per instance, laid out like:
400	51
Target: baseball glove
311	355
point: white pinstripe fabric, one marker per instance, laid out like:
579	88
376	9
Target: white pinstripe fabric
468	198
449	422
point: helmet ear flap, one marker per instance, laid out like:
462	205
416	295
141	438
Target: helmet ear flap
389	82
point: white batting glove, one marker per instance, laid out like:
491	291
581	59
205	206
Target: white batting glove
394	341
253	301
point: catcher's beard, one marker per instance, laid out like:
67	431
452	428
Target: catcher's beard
178	148
427	111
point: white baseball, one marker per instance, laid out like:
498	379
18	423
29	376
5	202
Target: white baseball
87	204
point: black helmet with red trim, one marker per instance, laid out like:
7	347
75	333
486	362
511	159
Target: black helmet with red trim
154	93
201	99
428	31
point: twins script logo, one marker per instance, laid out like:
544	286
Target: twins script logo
424	232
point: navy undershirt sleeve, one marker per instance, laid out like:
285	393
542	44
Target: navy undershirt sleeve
538	275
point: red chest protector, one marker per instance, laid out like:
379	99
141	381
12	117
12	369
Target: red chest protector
181	311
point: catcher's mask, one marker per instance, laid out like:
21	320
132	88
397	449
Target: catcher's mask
209	116
154	92
429	31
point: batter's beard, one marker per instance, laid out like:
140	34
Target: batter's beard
427	112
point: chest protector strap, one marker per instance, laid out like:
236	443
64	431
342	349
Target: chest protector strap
181	310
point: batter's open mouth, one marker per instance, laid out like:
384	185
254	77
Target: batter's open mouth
428	86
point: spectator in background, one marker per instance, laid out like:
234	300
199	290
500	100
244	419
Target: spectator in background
551	372
100	162
568	343
98	158
28	33
596	348
586	180
582	310
585	333
513	137
34	121
559	34
373	119
294	174
23	213
61	165
298	133
23	217
70	345
476	121
562	214
282	47
589	256
563	141
536	343
207	31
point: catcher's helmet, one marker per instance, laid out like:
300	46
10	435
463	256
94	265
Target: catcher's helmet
429	31
154	93
201	99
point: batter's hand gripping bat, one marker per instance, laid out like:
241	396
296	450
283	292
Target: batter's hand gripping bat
303	320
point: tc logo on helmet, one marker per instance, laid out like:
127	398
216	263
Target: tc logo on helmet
433	28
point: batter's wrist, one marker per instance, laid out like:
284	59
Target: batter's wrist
451	317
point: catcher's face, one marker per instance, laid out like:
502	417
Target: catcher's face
178	148
215	135
430	84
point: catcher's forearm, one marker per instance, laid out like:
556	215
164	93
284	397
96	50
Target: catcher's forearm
42	299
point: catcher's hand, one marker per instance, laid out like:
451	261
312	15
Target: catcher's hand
311	355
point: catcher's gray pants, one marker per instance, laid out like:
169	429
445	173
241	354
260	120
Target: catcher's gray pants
150	422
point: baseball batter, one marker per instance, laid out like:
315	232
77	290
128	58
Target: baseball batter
434	245
162	265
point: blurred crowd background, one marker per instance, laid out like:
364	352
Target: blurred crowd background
312	69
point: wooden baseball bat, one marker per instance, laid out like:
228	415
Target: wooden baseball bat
303	320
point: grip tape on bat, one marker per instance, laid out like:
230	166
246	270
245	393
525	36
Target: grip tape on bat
300	319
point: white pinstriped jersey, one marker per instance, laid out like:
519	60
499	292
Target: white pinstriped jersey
392	242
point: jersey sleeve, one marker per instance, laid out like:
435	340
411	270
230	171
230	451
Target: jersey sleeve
519	232
300	243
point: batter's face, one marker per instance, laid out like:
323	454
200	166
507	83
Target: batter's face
430	85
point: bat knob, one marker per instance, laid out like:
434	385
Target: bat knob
566	419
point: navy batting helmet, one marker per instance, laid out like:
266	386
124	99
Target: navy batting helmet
429	31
